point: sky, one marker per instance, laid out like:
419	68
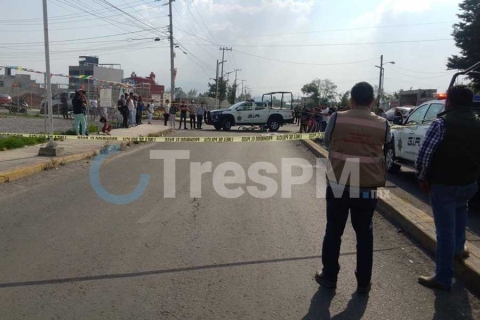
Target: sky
279	45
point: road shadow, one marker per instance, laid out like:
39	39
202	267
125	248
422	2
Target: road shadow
406	180
452	305
321	301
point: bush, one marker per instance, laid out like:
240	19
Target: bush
8	143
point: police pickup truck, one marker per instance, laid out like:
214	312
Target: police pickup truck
408	135
252	113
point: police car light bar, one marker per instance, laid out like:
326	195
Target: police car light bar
441	96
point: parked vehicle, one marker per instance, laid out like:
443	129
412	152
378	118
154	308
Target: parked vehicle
5	100
398	112
268	113
57	103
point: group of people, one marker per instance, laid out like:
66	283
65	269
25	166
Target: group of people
196	114
314	119
450	142
131	106
80	113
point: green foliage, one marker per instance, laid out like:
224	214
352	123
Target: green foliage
8	143
321	91
467	37
222	89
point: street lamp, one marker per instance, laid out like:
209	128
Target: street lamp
380	82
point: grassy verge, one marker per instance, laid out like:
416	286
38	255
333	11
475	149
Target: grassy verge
9	143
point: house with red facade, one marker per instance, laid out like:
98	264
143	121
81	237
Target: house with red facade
147	87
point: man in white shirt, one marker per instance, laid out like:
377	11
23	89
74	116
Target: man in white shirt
166	112
94	111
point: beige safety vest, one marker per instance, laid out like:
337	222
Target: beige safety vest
359	135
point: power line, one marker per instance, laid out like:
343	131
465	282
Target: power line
340	30
336	44
306	63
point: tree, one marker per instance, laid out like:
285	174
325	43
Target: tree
180	94
222	89
192	94
321	91
345	99
467	37
232	91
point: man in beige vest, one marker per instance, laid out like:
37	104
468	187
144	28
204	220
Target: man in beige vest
356	169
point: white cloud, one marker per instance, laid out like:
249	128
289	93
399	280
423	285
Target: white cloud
397	7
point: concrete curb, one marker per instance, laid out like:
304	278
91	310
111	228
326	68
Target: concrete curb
26	171
419	226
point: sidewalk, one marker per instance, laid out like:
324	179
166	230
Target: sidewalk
418	225
23	162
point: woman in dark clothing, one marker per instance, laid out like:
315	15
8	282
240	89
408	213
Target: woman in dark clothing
140	107
79	113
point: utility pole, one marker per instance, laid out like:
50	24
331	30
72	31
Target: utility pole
235	84
172	55
380	83
242	86
51	149
223	49
216	92
217	80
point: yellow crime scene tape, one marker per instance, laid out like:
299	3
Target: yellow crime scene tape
257	138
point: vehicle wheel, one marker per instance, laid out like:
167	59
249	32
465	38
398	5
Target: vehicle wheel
273	124
227	125
217	127
391	166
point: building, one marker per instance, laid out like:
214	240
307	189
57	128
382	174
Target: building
147	87
90	66
16	81
416	97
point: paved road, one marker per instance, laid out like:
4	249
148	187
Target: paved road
404	184
67	254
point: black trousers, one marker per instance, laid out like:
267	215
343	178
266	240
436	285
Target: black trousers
193	121
138	117
361	210
125	118
165	118
183	116
199	121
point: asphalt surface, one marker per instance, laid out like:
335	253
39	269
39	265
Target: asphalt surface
68	254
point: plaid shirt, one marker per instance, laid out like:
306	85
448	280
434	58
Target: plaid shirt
433	138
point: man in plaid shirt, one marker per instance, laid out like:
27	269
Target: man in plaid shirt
448	166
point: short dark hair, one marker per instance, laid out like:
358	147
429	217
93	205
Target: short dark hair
362	94
460	96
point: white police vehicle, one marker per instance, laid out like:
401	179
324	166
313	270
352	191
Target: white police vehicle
408	135
255	113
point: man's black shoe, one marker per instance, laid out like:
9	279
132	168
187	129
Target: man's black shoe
324	281
364	289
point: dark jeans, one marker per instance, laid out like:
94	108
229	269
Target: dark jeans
183	116
165	118
125	118
193	124
450	212
361	210
199	121
138	117
323	126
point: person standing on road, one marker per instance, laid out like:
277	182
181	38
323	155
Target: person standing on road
139	114
192	110
359	135
448	166
131	110
79	114
150	112
94	108
200	114
64	101
122	107
297	113
183	115
166	112
173	114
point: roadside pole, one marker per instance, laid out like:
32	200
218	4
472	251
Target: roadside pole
51	149
216	92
